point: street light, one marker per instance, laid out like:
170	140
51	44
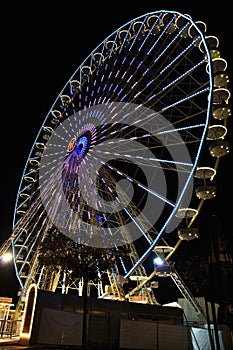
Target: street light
7	257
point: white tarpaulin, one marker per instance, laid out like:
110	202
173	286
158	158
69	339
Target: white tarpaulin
60	327
136	334
200	339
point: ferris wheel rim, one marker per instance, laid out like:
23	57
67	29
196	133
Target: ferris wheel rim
63	99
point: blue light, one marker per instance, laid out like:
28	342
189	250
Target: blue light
81	145
158	261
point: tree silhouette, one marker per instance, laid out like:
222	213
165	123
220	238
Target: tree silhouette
77	260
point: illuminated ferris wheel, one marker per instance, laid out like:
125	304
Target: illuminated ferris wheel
116	160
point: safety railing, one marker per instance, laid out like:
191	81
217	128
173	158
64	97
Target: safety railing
10	328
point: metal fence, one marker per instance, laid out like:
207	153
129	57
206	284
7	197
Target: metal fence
10	328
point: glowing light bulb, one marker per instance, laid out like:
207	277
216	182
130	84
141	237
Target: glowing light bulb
7	257
158	261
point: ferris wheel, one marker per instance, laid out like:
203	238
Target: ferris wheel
117	158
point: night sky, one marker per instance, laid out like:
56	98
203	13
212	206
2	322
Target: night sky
41	49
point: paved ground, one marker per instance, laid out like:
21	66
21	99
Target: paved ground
12	344
8	346
20	347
